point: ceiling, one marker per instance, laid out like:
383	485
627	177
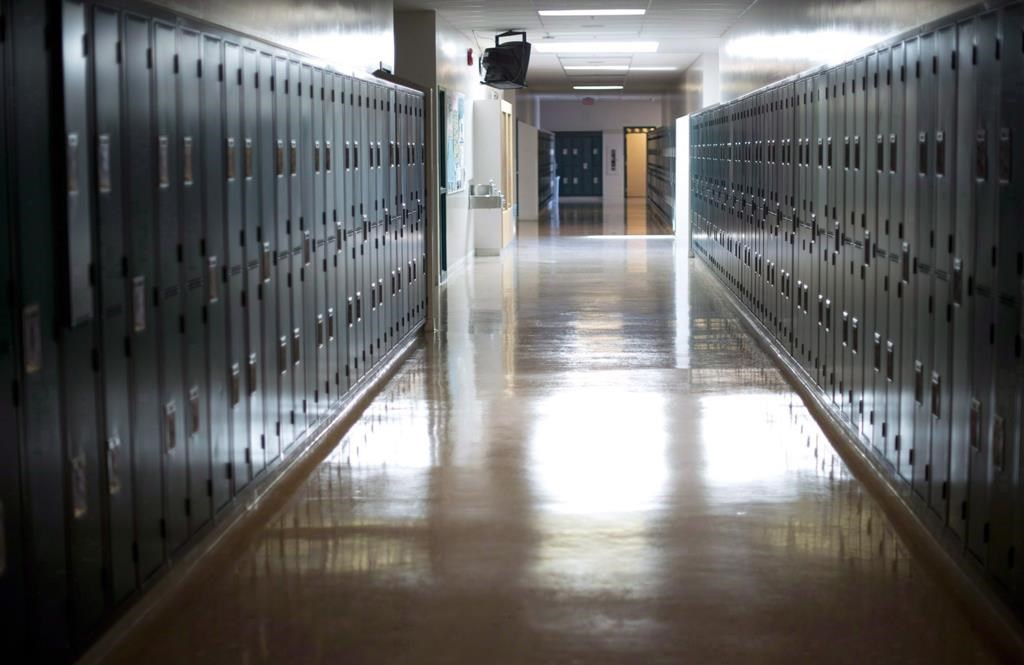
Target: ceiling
683	29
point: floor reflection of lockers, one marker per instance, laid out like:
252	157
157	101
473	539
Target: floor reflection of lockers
579	163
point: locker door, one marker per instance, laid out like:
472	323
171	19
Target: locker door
831	311
353	230
214	174
283	254
296	356
341	260
43	485
391	218
903	126
404	179
235	363
421	206
360	164
819	222
384	196
308	272
942	378
979	59
12	571
116	432
373	242
142	271
169	292
189	174
920	161
1006	515
331	258
251	153
321	389
269	242
77	338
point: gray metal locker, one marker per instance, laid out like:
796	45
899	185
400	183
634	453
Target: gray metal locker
234	365
77	339
330	258
12	572
140	141
190	177
353	230
254	268
214	158
342	235
116	427
268	240
1006	537
36	313
294	340
308	270
321	389
942	378
169	296
974	482
282	250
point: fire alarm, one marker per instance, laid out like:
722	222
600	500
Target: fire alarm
588	101
469	57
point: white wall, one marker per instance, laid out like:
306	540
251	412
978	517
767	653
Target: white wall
527	164
571	115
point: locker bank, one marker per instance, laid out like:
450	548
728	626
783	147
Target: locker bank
268	399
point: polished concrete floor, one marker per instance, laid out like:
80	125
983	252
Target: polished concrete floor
592	464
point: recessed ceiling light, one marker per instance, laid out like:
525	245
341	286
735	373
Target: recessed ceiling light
596	68
597	87
592	12
616	68
596	47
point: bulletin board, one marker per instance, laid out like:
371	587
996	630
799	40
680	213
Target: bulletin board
456	139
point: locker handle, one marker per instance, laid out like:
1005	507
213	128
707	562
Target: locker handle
399	280
890	361
307	248
1005	155
378	156
879	153
236	384
279	158
981	156
296	346
327	156
193	410
330	323
975	425
293	156
999	443
393	291
319	331
355	156
380	292
918	382
878	352
373	296
247	161
359	306
316	156
266	261
282	354
936	395
348	156
230	154
349	319
856	335
893	153
252	378
339	237
212	278
113	465
170	426
905	261
958	281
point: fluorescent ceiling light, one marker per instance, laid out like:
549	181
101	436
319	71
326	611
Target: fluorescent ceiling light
596	47
596	68
592	12
616	68
597	87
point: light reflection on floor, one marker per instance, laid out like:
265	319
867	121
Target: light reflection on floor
593	464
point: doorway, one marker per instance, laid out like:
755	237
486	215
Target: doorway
578	155
636	162
442	183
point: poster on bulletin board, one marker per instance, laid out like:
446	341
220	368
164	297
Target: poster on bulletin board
456	148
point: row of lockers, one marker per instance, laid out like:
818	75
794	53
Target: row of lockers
868	215
236	239
661	178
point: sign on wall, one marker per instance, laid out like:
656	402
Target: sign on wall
456	139
611	161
